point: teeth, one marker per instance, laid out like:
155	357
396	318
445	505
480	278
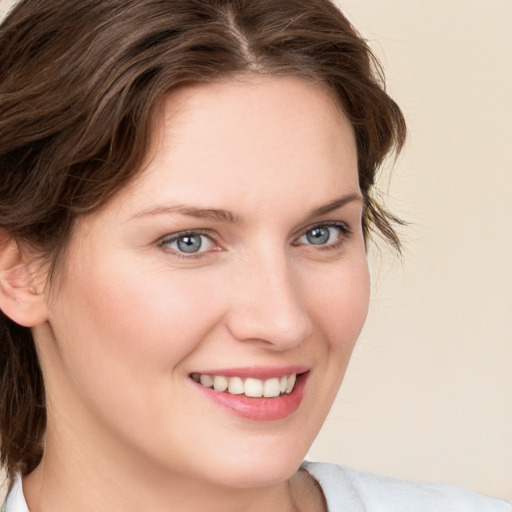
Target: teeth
271	388
254	388
283	384
236	386
220	383
206	381
291	383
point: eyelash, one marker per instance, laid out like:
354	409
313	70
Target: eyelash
344	234
177	236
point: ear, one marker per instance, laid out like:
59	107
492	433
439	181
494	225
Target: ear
20	299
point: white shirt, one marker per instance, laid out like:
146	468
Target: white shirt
347	490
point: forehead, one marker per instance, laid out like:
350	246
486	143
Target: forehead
268	152
253	107
262	132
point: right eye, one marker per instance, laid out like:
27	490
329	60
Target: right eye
188	243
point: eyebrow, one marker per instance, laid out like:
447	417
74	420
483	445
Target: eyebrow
191	211
230	217
334	205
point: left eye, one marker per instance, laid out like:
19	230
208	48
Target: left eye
189	243
322	235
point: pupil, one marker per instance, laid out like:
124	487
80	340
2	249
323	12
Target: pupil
190	243
318	236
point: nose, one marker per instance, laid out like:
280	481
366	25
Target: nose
268	304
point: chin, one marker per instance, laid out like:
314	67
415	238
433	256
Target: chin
259	473
259	465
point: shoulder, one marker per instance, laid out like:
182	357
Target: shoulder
357	491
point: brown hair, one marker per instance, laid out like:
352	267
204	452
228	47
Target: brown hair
79	80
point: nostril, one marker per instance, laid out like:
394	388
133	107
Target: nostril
267	306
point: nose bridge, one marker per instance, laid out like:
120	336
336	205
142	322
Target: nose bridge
268	303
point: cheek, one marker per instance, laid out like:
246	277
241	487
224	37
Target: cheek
151	315
121	339
113	323
340	305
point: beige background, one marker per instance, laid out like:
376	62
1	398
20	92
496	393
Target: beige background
428	395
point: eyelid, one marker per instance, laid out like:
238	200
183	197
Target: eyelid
343	226
344	234
167	239
186	232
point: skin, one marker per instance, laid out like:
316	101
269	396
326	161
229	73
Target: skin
130	318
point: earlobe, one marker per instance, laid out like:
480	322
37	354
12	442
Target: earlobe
19	298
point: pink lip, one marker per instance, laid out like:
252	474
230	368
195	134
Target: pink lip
258	409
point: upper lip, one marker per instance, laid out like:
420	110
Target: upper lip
256	372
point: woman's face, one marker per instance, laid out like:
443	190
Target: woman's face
236	257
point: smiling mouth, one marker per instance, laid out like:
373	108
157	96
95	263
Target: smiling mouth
250	387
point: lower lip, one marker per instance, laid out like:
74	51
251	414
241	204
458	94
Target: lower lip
259	409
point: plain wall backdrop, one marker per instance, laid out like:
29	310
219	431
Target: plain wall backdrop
428	394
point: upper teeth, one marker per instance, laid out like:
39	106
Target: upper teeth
249	387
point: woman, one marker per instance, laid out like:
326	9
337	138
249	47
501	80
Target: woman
185	199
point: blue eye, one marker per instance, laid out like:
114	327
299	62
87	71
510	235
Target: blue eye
327	234
188	243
